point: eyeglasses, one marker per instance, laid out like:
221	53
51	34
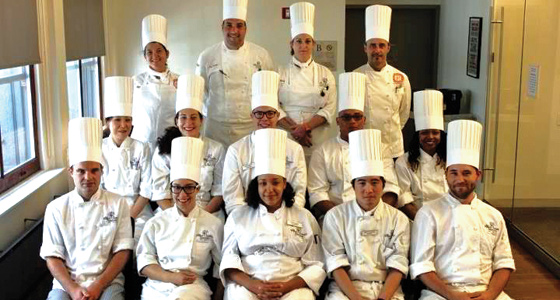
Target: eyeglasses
260	114
348	118
188	189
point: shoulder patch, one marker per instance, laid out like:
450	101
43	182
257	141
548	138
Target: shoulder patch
398	78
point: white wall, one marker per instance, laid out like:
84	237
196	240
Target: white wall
192	27
452	62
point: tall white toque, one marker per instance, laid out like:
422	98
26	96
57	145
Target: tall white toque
118	96
366	157
85	137
302	16
351	91
270	152
186	156
428	110
190	92
378	22
463	143
265	89
235	9
154	29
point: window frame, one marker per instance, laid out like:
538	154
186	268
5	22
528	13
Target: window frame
82	86
23	171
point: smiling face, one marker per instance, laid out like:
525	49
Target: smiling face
86	176
120	127
302	45
377	50
184	201
156	55
234	31
268	117
271	188
462	180
429	140
369	190
188	121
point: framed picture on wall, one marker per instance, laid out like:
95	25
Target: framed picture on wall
473	50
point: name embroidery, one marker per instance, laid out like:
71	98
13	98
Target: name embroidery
109	218
492	228
209	160
204	237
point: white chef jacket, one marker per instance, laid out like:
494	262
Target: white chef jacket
153	107
329	176
427	183
387	104
86	234
239	166
228	75
179	243
368	242
211	173
463	244
308	89
273	246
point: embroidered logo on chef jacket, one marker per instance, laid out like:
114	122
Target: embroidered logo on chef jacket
491	228
209	160
204	237
289	162
325	86
109	218
135	163
296	228
398	78
387	239
258	66
267	250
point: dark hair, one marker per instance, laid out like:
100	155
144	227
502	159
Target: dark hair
164	141
177	116
414	150
253	198
164	48
382	181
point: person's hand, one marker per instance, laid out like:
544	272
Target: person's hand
175	83
182	277
266	290
78	293
94	291
482	296
301	135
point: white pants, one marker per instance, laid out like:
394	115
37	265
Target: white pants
366	289
198	290
429	295
235	291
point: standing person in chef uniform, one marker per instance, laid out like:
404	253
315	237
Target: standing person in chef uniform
307	93
126	160
387	104
154	92
366	241
421	171
239	165
227	68
460	247
272	248
87	233
178	245
189	121
329	177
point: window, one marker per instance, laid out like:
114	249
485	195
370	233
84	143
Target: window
83	81
18	126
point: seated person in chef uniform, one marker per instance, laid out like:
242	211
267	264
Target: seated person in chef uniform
366	241
87	233
188	122
126	160
460	247
272	248
329	178
239	165
179	244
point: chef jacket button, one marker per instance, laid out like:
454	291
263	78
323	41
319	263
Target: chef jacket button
113	170
100	268
83	248
99	247
457	248
81	227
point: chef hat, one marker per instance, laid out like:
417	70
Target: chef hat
235	9
351	91
302	15
463	142
366	158
378	22
186	156
270	152
428	110
190	91
265	89
84	140
118	96
154	29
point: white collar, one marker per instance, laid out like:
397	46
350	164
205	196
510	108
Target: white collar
302	65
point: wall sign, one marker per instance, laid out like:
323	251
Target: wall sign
473	50
325	54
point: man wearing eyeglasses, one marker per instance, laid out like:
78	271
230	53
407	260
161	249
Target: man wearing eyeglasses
239	162
329	181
